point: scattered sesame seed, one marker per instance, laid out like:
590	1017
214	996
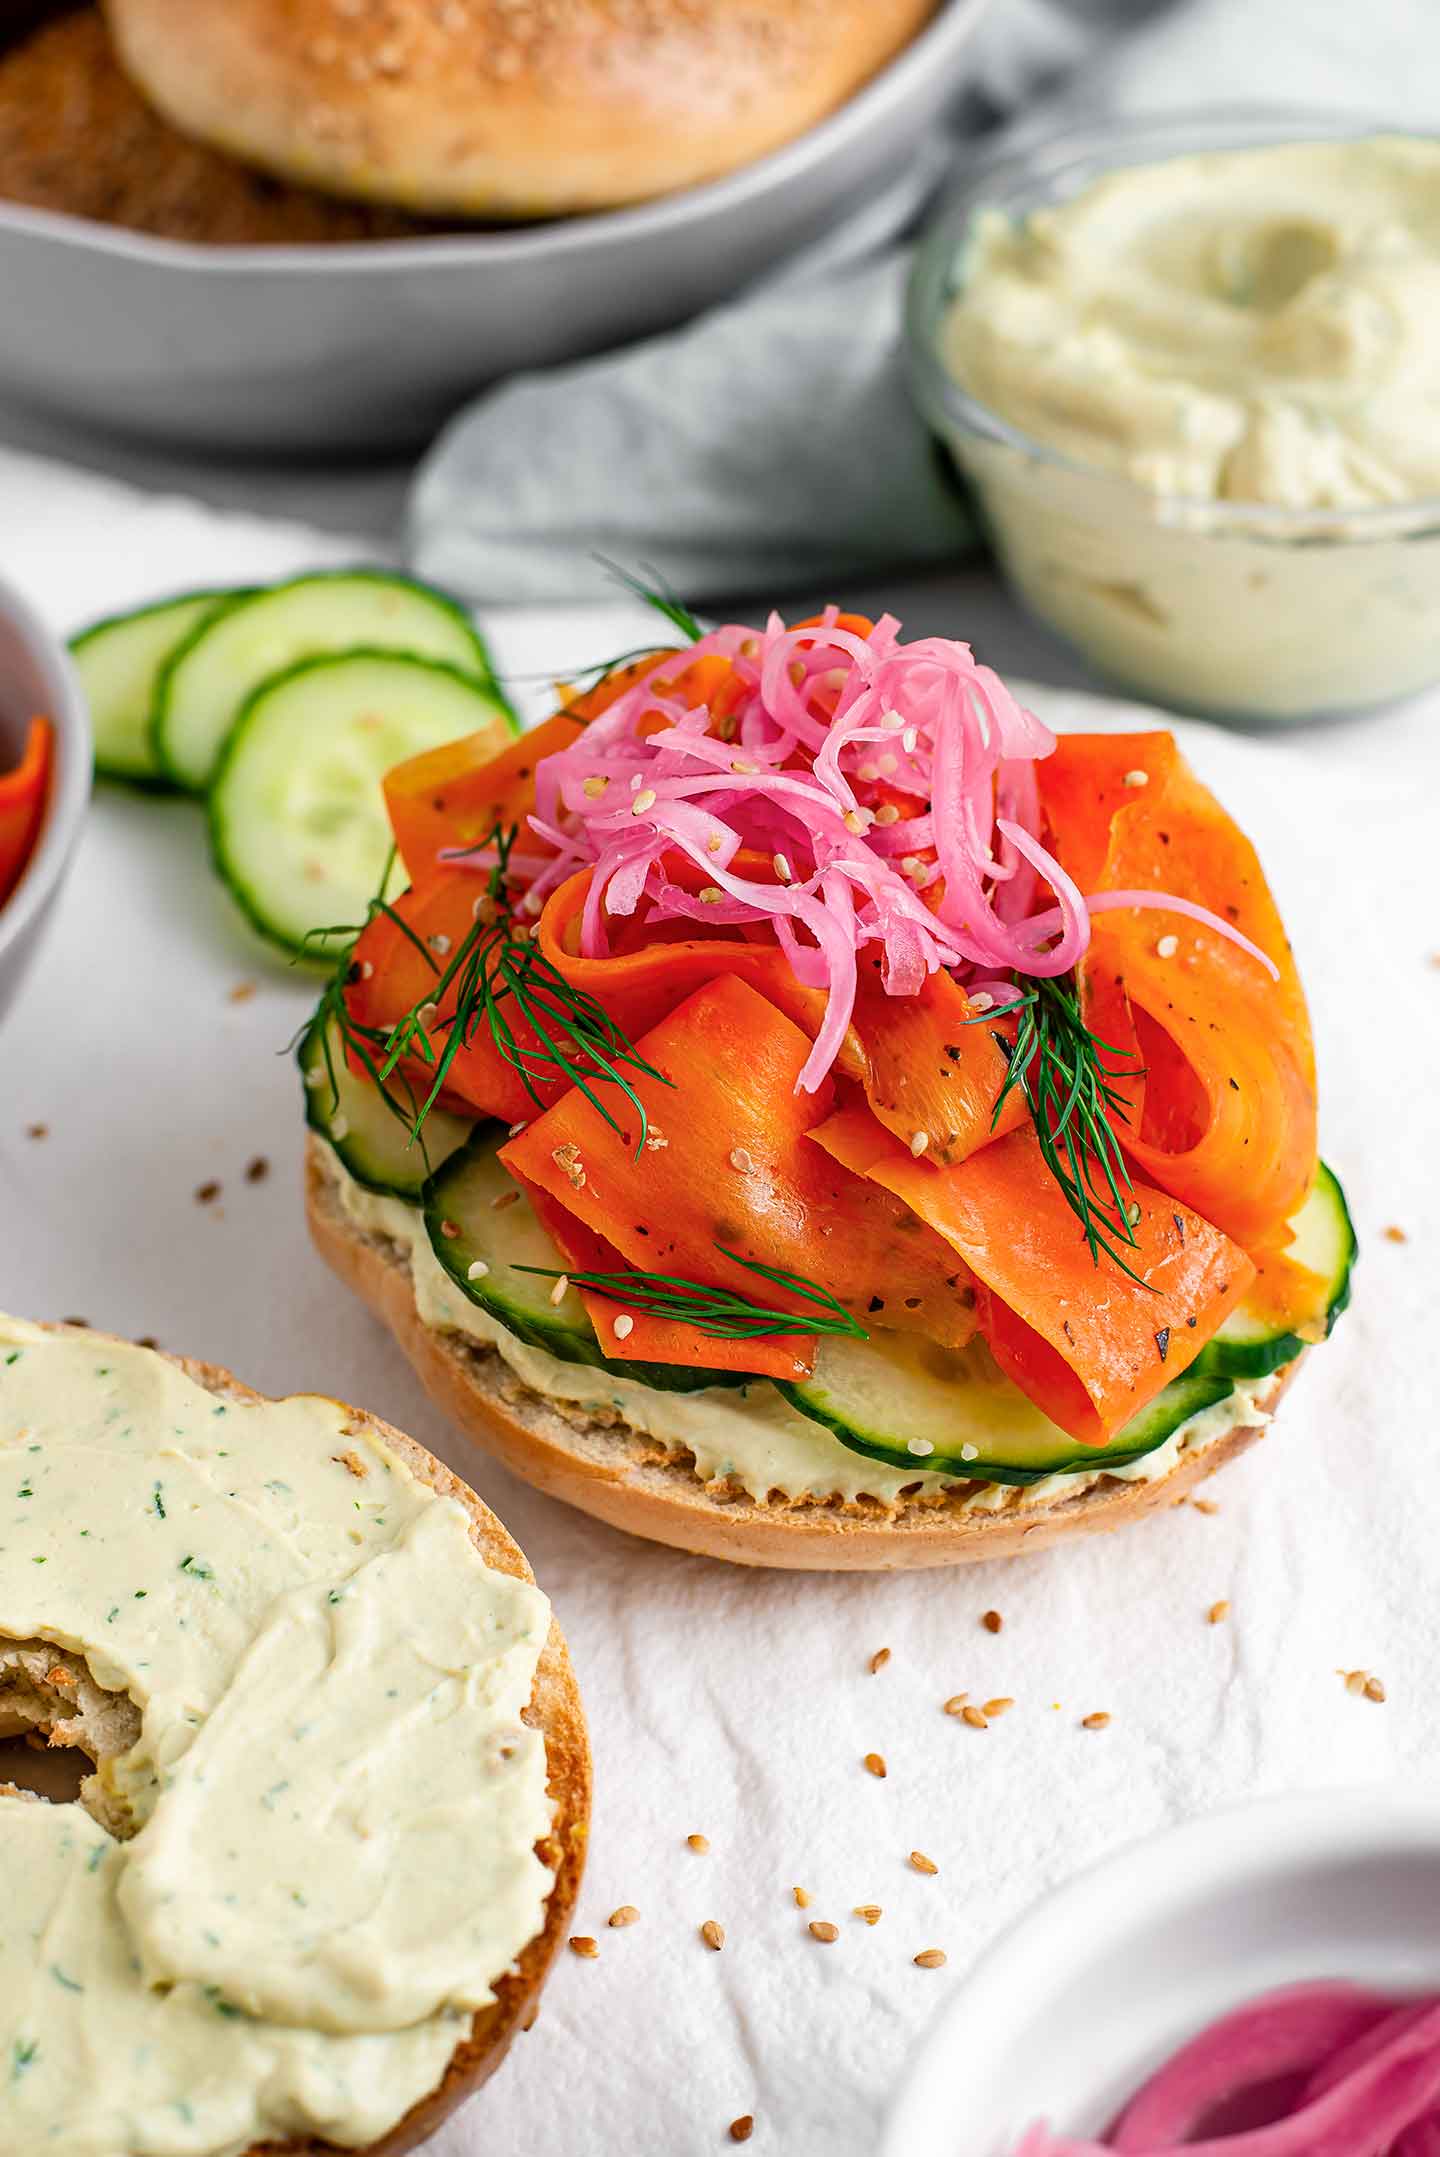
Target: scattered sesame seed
745	768
517	1128
624	1326
207	1193
857	821
887	813
982	1001
1167	947
803	1899
711	895
713	1935
930	1958
1218	1612
742	2129
476	1270
891	719
242	992
740	1160
975	1717
439	942
1374	1690
257	1169
955	1705
484	908
37	1130
428	1014
919	1140
922	1863
1354	1681
561	1288
644	800
315	1079
1000	1706
1205	1505
582	1945
868	773
909	740
627	1914
992	1621
888	766
878	1661
594	786
714	843
969	1452
636	782
919	1446
870	1911
875	1762
340	1127
821	1929
1137	777
1098	1721
505	1198
655	1138
1395	1235
699	1844
783	869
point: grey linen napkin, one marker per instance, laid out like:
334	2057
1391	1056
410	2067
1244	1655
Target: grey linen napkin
772	444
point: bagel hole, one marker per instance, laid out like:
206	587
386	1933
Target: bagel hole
52	1772
58	1725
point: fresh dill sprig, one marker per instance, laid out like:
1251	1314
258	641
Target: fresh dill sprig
718	1311
1074	1101
657	594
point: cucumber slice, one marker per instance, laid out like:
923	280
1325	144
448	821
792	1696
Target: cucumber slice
222	662
372	1138
896	1390
297	816
482	1227
118	661
1250	1346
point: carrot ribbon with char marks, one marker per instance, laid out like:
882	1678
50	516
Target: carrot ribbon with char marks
726	1168
1222	1108
1089	1345
22	804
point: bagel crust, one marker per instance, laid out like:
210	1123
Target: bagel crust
556	1709
476	108
626	1479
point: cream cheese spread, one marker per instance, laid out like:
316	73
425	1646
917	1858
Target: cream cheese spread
334	1799
749	1435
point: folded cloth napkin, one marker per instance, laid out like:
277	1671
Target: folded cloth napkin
771	444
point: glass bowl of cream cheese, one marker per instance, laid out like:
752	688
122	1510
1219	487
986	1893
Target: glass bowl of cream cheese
1190	368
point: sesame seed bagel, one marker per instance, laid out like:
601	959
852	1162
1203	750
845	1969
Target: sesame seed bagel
51	1694
600	1463
504	108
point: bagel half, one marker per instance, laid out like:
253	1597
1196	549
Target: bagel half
628	1479
554	1706
479	108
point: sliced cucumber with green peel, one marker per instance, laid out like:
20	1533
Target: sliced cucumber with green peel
912	1404
119	660
297	816
370	1133
220	664
483	1228
1250	1346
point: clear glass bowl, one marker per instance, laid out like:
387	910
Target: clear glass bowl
1237	610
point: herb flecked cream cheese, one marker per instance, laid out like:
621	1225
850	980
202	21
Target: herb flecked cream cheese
333	1800
750	1435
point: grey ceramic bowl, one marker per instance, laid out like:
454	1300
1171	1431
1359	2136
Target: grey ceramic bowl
372	344
36	676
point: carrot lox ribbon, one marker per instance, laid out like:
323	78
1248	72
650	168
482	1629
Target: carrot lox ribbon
23	791
1222	1108
739	1176
1087	1344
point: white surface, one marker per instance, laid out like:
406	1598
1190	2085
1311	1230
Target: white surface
740	1704
1097	1987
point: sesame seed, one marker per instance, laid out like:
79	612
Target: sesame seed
241	993
921	1863
875	1762
561	1289
742	2129
999	1706
582	1945
711	895
822	1930
868	773
428	1014
857	821
313	1079
909	740
505	1198
644	800
624	1326
1137	778
740	1160
891	719
635	782
207	1193
930	1958
870	1911
257	1169
910	864
783	869
796	672
1354	1681
714	843
450	1230
340	1127
439	942
627	1914
888	766
887	813
919	1446
969	1452
1098	1721
476	1270
484	908
983	1001
919	1140
975	1717
655	1138
594	786
699	1844
1132	1212
1218	1612
1167	947
745	768
1205	1505
992	1621
878	1661
955	1705
1374	1690
517	1128
803	1900
1396	1235
713	1935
